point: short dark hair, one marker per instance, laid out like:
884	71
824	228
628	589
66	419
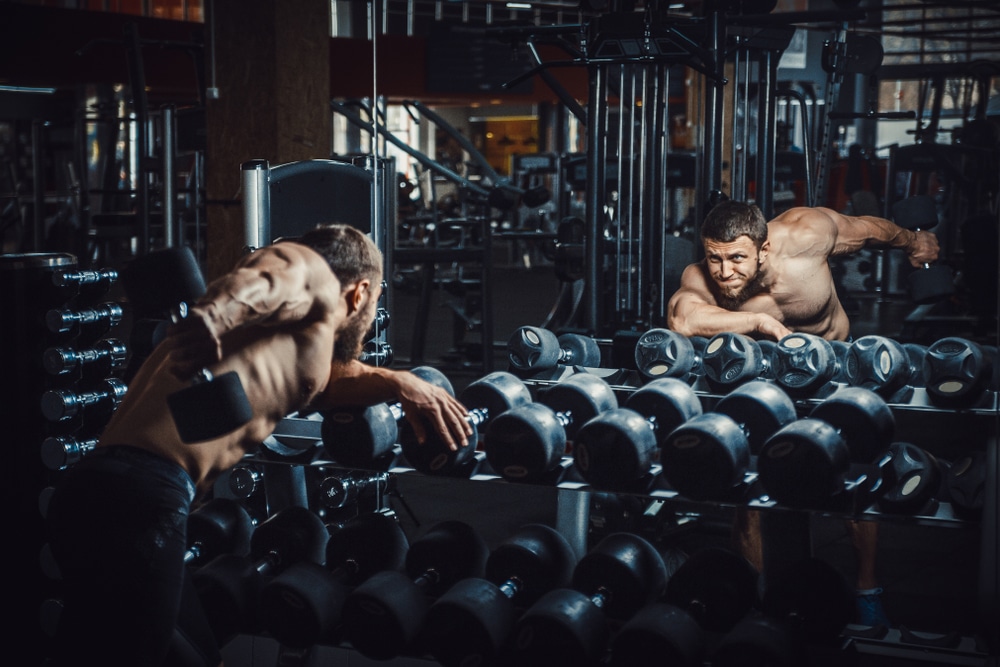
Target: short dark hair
351	253
729	220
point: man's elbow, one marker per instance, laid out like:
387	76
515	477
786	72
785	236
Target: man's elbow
679	325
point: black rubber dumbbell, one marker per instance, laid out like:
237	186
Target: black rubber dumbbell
759	640
806	463
212	405
615	449
570	626
229	585
219	526
105	358
813	598
63	404
527	443
932	282
965	485
883	365
707	457
485	399
709	593
916	352
732	359
532	349
302	606
664	353
384	615
956	372
806	365
918	478
358	436
470	623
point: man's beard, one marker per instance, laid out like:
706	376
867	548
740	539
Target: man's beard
351	339
751	288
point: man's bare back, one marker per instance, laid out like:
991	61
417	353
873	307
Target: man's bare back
283	361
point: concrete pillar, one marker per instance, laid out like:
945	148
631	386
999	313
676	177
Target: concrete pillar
272	72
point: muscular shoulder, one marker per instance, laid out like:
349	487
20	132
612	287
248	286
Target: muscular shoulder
694	284
803	230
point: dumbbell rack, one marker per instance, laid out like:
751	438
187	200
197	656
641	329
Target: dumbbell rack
34	287
303	434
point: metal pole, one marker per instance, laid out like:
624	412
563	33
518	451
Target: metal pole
169	176
256	204
768	74
596	152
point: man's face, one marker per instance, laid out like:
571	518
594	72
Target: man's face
352	333
735	269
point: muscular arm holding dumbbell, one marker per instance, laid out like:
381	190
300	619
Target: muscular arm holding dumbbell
289	321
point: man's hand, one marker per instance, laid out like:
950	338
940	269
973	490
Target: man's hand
922	249
422	400
772	328
193	342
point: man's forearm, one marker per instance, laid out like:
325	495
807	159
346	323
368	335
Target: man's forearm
355	383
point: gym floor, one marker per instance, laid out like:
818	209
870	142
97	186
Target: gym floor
929	571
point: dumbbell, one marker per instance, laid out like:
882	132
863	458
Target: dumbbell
538	349
62	404
915	353
933	282
156	282
965	484
812	597
88	283
302	606
485	399
706	457
219	526
357	436
956	372
665	353
917	480
527	443
228	585
212	405
61	451
470	623
570	626
616	448
731	359
337	491
759	640
710	592
805	365
805	463
376	353
103	317
383	615
104	358
881	364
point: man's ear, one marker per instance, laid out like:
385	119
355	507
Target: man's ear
765	248
356	295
